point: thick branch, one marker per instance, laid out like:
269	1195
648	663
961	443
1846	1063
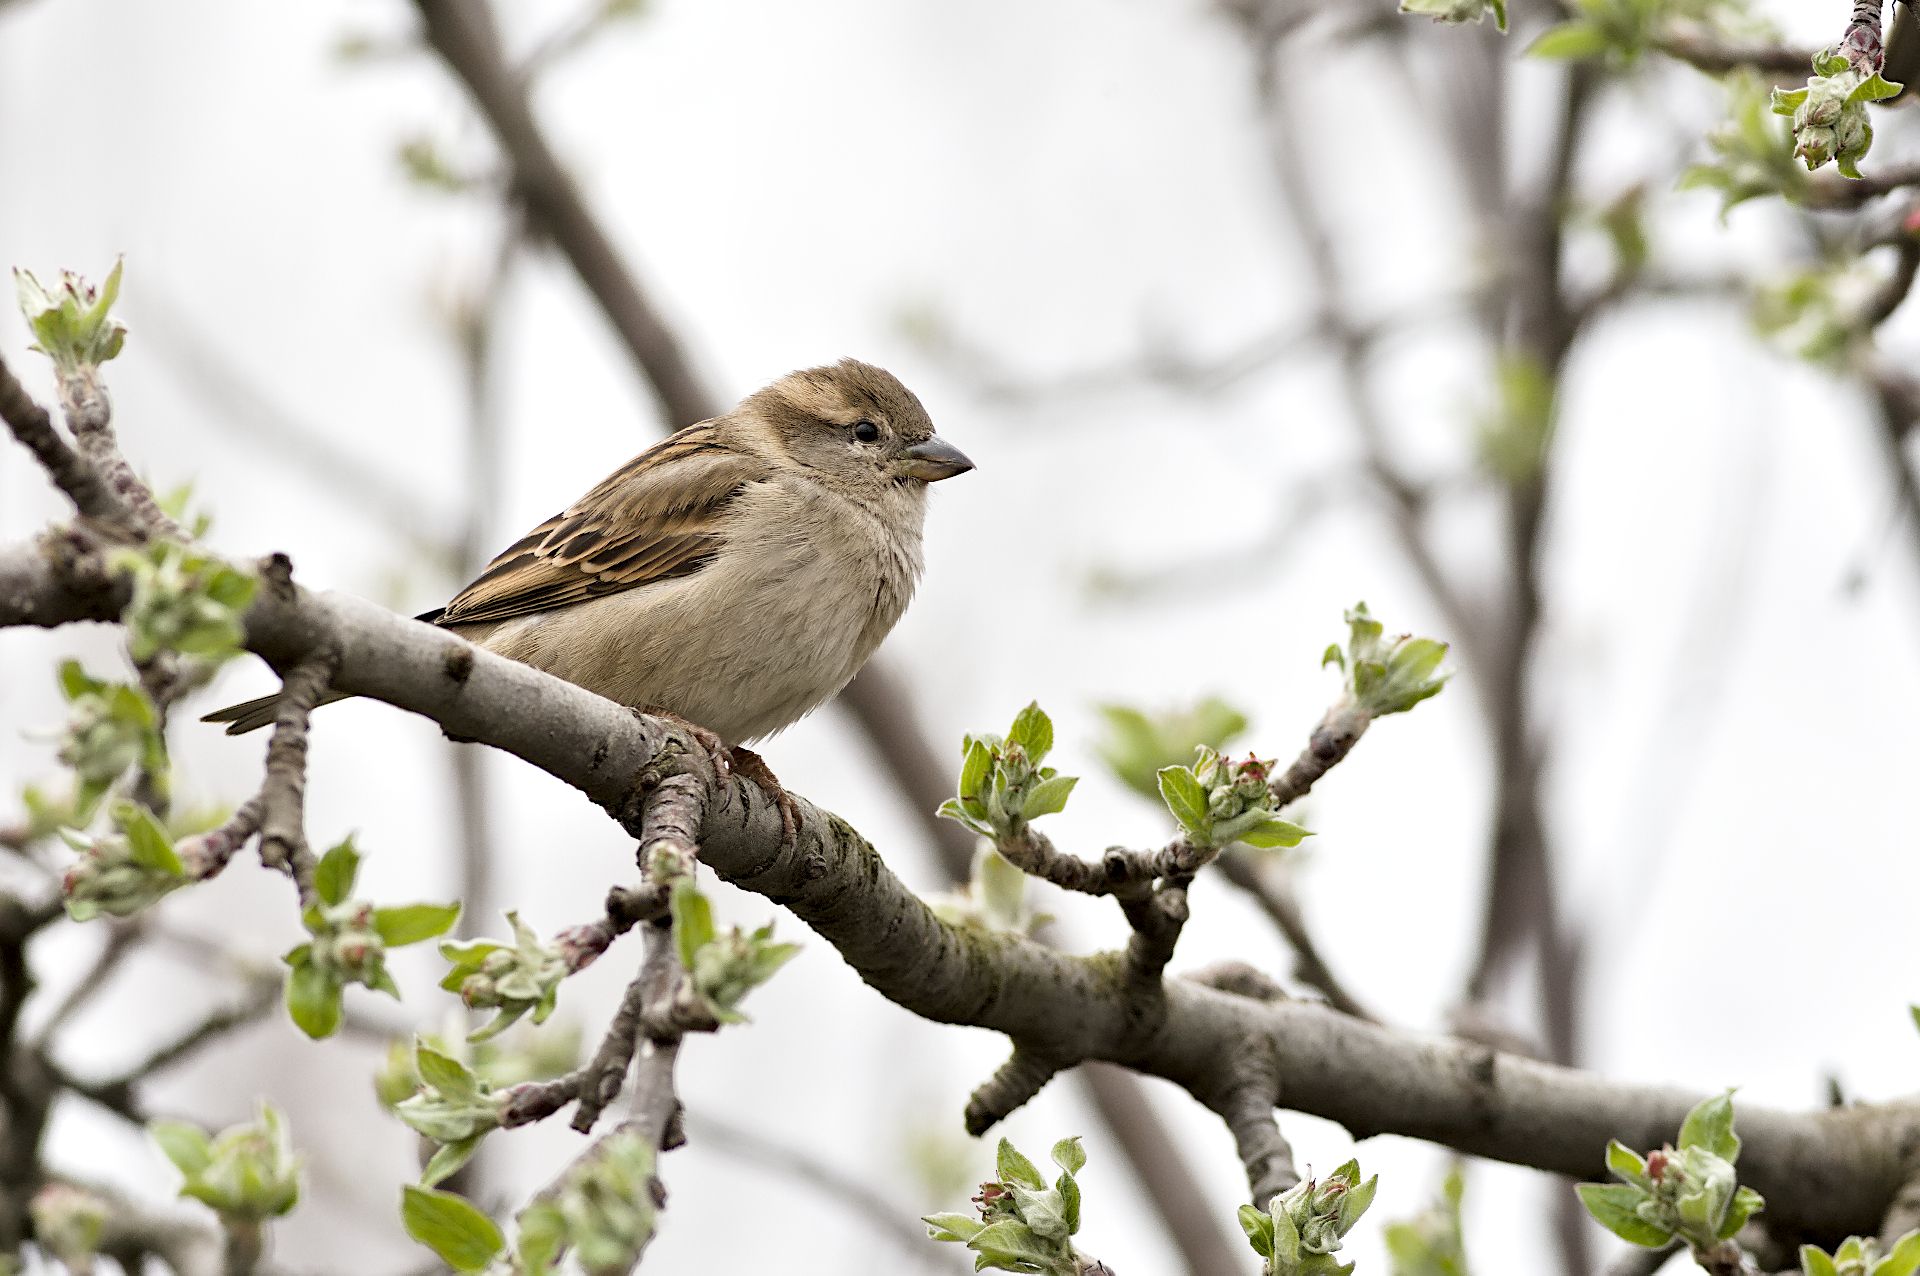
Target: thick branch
1828	1173
1702	50
1830	192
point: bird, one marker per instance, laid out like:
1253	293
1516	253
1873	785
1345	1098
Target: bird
734	576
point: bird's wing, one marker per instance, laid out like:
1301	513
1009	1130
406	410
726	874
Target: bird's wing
656	517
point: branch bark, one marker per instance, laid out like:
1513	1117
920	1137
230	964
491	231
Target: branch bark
1827	1173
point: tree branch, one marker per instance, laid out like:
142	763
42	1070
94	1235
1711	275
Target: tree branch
883	1216
1368	1078
70	472
462	32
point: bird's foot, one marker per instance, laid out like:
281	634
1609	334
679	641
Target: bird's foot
755	768
717	751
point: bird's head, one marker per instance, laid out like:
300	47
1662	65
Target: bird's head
856	427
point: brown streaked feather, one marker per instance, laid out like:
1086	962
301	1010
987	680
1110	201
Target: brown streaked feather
655	518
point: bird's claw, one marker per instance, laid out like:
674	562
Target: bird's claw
717	751
754	767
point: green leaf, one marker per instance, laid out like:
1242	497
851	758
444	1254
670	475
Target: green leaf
334	875
1274	831
973	767
1069	1198
412	923
1286	1236
1904	1259
147	843
1626	1162
1258	1225
1069	1155
692	920
449	1225
1015	1168
952	1227
1786	101
313	998
1710	1126
1184	798
1007	1242
448	1159
1355	1203
953	809
185	1145
1048	797
1032	731
1814	1262
1570	42
443	1072
1612	1206
1873	88
1745	1204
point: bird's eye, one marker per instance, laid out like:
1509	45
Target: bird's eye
866	431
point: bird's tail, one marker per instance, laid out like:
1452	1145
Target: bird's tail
251	715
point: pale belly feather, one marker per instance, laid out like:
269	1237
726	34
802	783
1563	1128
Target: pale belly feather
781	619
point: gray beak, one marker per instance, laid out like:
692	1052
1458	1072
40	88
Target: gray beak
934	460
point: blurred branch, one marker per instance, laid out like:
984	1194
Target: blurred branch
1157	363
463	33
1887	298
1352	346
1704	51
299	447
117	1094
132	1233
1296	510
122	936
475	324
1272	888
879	701
1161	1168
885	1217
1826	191
575	34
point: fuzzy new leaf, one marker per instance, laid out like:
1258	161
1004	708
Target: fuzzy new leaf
70	321
449	1225
1710	1126
1614	1206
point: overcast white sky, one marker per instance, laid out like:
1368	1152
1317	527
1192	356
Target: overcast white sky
1733	727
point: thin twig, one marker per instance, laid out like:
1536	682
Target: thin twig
89	416
283	833
1272	889
70	472
883	1216
122	937
602	1079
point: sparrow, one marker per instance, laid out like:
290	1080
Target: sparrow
734	576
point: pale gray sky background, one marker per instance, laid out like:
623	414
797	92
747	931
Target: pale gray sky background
1732	794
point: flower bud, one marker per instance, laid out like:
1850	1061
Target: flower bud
67	1221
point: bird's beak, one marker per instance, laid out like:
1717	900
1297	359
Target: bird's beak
934	460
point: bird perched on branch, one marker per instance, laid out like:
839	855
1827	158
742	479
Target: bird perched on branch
736	575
